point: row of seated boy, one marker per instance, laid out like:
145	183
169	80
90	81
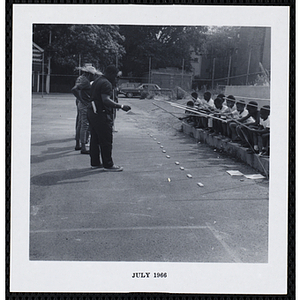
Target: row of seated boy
234	120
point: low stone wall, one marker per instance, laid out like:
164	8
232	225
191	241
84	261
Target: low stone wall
260	164
259	93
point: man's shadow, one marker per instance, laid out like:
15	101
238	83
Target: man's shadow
62	176
44	143
51	152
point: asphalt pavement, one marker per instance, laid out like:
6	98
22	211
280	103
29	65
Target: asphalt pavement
174	201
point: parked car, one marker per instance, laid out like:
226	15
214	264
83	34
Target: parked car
138	91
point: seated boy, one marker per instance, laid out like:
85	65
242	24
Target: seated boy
196	99
230	103
197	103
206	106
190	119
263	130
231	107
222	96
252	121
238	116
219	111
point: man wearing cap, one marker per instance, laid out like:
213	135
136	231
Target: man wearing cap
100	117
81	91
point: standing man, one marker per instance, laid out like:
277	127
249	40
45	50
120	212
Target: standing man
115	99
101	118
81	91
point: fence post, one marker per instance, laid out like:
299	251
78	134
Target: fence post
49	66
182	73
229	67
79	65
213	73
149	79
38	82
43	75
248	68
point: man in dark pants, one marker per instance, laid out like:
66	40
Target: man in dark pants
81	91
101	119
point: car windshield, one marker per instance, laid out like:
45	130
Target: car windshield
149	86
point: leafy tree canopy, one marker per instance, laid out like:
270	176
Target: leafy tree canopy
167	46
220	41
68	44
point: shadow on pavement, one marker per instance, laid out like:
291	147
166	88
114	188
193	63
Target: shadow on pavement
44	143
59	177
52	153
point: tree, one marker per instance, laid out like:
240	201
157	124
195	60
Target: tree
167	46
220	44
96	44
220	40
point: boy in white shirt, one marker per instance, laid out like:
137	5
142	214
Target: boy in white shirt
219	111
206	105
263	130
228	114
252	121
196	99
239	115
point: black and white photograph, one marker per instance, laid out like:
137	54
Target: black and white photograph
149	149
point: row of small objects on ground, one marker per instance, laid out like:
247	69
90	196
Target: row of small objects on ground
200	184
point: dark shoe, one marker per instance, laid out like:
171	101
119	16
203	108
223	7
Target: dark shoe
114	168
85	152
77	148
97	167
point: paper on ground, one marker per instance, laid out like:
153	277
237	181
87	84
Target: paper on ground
235	173
255	176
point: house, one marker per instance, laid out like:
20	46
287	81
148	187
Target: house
37	68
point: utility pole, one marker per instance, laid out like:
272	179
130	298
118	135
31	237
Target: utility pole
49	65
213	73
182	70
149	69
248	68
229	69
43	73
79	65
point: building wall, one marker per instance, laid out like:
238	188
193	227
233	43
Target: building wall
259	94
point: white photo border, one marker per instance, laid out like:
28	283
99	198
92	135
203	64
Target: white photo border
115	277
